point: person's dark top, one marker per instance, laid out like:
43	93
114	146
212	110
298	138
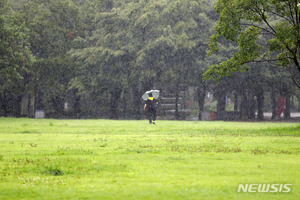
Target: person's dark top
151	103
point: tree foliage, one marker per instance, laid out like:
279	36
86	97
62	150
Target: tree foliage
246	23
16	59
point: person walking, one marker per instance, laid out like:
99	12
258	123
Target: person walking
150	107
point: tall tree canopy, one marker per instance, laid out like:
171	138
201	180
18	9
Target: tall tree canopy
16	59
140	43
52	27
247	22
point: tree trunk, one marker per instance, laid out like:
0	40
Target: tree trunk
58	103
124	106
298	97
176	101
260	104
137	101
27	105
1	106
287	113
24	105
251	107
201	91
5	103
77	109
221	105
31	108
114	102
274	103
236	102
244	106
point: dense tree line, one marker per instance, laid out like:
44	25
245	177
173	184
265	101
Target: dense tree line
95	58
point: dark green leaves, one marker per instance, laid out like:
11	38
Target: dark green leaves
247	23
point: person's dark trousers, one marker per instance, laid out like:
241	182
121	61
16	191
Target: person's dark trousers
151	115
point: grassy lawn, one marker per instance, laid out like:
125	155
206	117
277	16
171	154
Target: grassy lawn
104	159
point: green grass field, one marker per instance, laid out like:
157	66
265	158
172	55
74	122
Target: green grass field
104	159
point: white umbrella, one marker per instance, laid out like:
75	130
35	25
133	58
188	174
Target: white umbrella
155	94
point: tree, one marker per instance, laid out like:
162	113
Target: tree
104	61
16	61
245	22
174	36
52	27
